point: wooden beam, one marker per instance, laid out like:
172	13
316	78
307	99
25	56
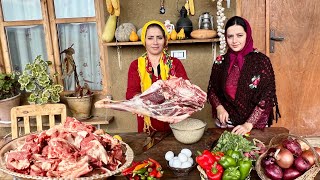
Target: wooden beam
54	38
99	7
238	7
76	20
5	64
48	40
23	23
268	28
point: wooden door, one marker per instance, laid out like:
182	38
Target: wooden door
296	60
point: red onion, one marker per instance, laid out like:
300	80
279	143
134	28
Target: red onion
293	146
308	155
284	158
301	164
273	172
267	161
290	174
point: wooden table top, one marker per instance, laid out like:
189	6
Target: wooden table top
136	140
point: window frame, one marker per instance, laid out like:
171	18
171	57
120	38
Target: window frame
49	23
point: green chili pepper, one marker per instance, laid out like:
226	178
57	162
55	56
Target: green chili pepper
245	165
227	161
231	173
234	154
140	171
151	178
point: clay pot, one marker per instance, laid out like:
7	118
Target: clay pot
6	105
80	107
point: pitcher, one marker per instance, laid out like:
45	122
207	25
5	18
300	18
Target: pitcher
168	26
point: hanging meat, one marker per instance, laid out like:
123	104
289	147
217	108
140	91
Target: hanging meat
170	101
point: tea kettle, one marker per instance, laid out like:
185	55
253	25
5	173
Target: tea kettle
205	21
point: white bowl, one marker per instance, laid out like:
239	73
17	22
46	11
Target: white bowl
188	131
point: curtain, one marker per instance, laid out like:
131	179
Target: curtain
26	42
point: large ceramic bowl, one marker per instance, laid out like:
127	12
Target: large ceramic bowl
16	142
188	131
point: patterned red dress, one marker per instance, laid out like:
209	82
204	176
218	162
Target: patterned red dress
134	88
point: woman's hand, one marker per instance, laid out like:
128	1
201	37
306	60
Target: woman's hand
242	129
222	115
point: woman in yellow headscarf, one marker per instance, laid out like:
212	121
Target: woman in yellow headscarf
153	65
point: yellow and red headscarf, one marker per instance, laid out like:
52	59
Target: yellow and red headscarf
145	27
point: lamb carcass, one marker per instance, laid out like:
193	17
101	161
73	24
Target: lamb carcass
170	101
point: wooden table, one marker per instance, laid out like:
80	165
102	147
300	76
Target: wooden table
135	141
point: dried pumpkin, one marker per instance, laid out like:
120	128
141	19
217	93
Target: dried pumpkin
123	31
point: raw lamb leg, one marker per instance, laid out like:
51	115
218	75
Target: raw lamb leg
170	101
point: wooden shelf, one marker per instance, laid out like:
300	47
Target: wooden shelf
92	121
185	41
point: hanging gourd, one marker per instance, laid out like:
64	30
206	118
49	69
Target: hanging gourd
109	29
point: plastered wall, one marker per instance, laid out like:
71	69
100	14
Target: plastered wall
198	62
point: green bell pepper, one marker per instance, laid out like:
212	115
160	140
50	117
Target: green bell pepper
231	173
227	161
234	154
245	165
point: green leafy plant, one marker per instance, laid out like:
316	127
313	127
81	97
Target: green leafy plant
36	80
9	85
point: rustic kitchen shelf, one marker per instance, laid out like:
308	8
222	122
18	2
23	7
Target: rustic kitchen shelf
185	41
92	121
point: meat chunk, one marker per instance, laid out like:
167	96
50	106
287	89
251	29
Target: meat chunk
171	101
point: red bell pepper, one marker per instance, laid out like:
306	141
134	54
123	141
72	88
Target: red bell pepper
205	159
216	172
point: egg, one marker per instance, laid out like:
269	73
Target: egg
171	162
187	152
176	163
182	157
190	160
169	155
186	164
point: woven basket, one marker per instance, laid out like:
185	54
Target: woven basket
310	174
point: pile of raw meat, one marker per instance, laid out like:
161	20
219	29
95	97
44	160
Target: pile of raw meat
70	150
171	101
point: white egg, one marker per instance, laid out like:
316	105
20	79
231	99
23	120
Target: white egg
171	162
190	160
169	155
186	164
182	157
187	152
176	163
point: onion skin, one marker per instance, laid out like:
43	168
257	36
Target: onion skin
290	174
301	164
267	161
303	145
317	149
284	158
293	146
308	155
273	172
